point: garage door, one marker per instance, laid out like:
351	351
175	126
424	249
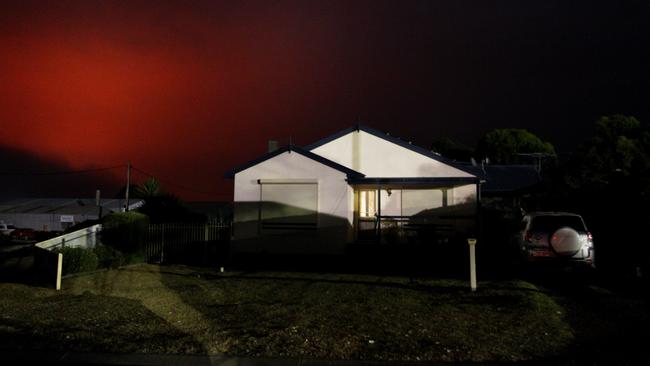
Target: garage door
289	205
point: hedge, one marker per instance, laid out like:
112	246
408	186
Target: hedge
78	260
125	231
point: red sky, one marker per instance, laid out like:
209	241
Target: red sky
173	89
187	91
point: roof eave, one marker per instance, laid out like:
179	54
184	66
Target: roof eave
291	148
415	180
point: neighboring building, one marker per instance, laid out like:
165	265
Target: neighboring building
356	185
507	191
57	214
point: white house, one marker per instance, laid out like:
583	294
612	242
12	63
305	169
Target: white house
356	185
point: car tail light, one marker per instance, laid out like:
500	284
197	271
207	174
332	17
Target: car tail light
528	236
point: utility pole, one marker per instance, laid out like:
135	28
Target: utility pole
98	202
128	184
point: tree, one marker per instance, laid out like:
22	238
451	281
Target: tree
502	145
452	149
150	188
608	180
620	148
161	206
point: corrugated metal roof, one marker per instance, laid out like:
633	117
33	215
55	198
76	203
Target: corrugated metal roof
507	178
63	206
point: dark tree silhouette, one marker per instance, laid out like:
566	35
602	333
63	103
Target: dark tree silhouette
502	145
452	149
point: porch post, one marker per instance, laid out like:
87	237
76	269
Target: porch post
479	228
445	194
379	213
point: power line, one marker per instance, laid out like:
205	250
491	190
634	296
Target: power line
64	172
175	184
92	170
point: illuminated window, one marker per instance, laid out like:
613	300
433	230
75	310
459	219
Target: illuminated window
367	203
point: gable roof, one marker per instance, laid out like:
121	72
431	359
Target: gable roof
396	140
292	148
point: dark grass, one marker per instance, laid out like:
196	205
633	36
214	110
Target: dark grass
176	309
369	305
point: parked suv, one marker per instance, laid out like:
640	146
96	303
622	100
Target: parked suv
555	236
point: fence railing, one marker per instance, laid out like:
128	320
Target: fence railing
48	263
186	242
83	238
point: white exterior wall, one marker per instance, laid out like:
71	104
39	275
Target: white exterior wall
335	206
378	158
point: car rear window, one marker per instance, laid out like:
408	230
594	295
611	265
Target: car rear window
552	223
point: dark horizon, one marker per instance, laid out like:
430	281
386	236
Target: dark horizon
188	92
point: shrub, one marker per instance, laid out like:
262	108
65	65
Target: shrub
78	260
125	231
137	257
109	257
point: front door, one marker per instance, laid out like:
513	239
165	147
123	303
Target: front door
366	215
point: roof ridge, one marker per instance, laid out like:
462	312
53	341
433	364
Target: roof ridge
294	148
390	138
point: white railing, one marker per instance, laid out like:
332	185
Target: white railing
84	238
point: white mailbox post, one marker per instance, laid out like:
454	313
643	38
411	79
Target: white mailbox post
472	263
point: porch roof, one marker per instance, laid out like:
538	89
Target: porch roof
415	181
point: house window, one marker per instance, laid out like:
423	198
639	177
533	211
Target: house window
421	201
367	203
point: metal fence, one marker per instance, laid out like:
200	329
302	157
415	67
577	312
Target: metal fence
189	243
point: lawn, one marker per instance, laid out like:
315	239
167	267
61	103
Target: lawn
177	309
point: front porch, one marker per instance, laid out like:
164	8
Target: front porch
415	211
